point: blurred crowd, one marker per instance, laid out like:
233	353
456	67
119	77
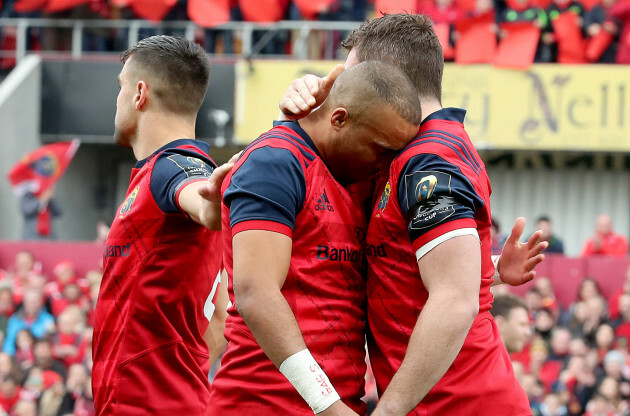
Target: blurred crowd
574	360
604	241
600	27
46	336
571	358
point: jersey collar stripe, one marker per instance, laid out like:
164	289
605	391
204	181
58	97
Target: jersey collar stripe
447	144
455	140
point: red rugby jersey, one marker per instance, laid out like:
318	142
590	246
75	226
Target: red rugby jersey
441	169
280	184
149	353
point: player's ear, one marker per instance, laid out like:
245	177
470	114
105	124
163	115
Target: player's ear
500	320
339	117
140	98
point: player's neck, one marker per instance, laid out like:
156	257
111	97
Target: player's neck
157	130
429	107
311	125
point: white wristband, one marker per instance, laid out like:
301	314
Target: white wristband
309	380
495	262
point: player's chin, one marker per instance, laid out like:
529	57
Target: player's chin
121	139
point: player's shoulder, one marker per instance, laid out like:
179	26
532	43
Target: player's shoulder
442	140
286	142
186	151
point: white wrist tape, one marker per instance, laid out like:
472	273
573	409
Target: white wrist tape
309	380
495	262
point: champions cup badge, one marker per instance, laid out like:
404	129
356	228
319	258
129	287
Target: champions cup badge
425	188
47	165
196	161
382	203
129	202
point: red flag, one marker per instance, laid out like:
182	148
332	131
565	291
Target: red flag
42	168
394	6
154	10
443	33
597	45
59	5
518	48
477	42
263	10
309	9
570	41
22	6
209	13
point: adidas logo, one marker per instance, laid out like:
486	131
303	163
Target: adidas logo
323	204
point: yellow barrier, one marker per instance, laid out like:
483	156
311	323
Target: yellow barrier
550	107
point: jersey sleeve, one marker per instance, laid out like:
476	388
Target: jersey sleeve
173	171
438	200
266	192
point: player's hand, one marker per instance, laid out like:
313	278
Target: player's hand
339	408
210	214
306	94
518	260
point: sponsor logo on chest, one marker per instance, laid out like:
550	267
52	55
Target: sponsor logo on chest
323	203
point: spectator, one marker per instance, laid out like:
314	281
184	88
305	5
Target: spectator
605	241
9	392
599	406
6	307
595	315
31	316
8	365
53	394
578	380
622	324
545	288
548	35
588	289
544	322
512	318
69	344
613	304
552	406
620	11
38	213
609	388
25	408
604	339
24	354
534	299
597	20
555	244
78	395
25	269
44	358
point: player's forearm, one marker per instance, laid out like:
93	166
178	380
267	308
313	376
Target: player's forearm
434	344
202	211
271	320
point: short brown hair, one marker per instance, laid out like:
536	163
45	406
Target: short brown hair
503	305
181	69
406	40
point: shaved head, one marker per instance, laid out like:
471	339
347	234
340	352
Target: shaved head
364	88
